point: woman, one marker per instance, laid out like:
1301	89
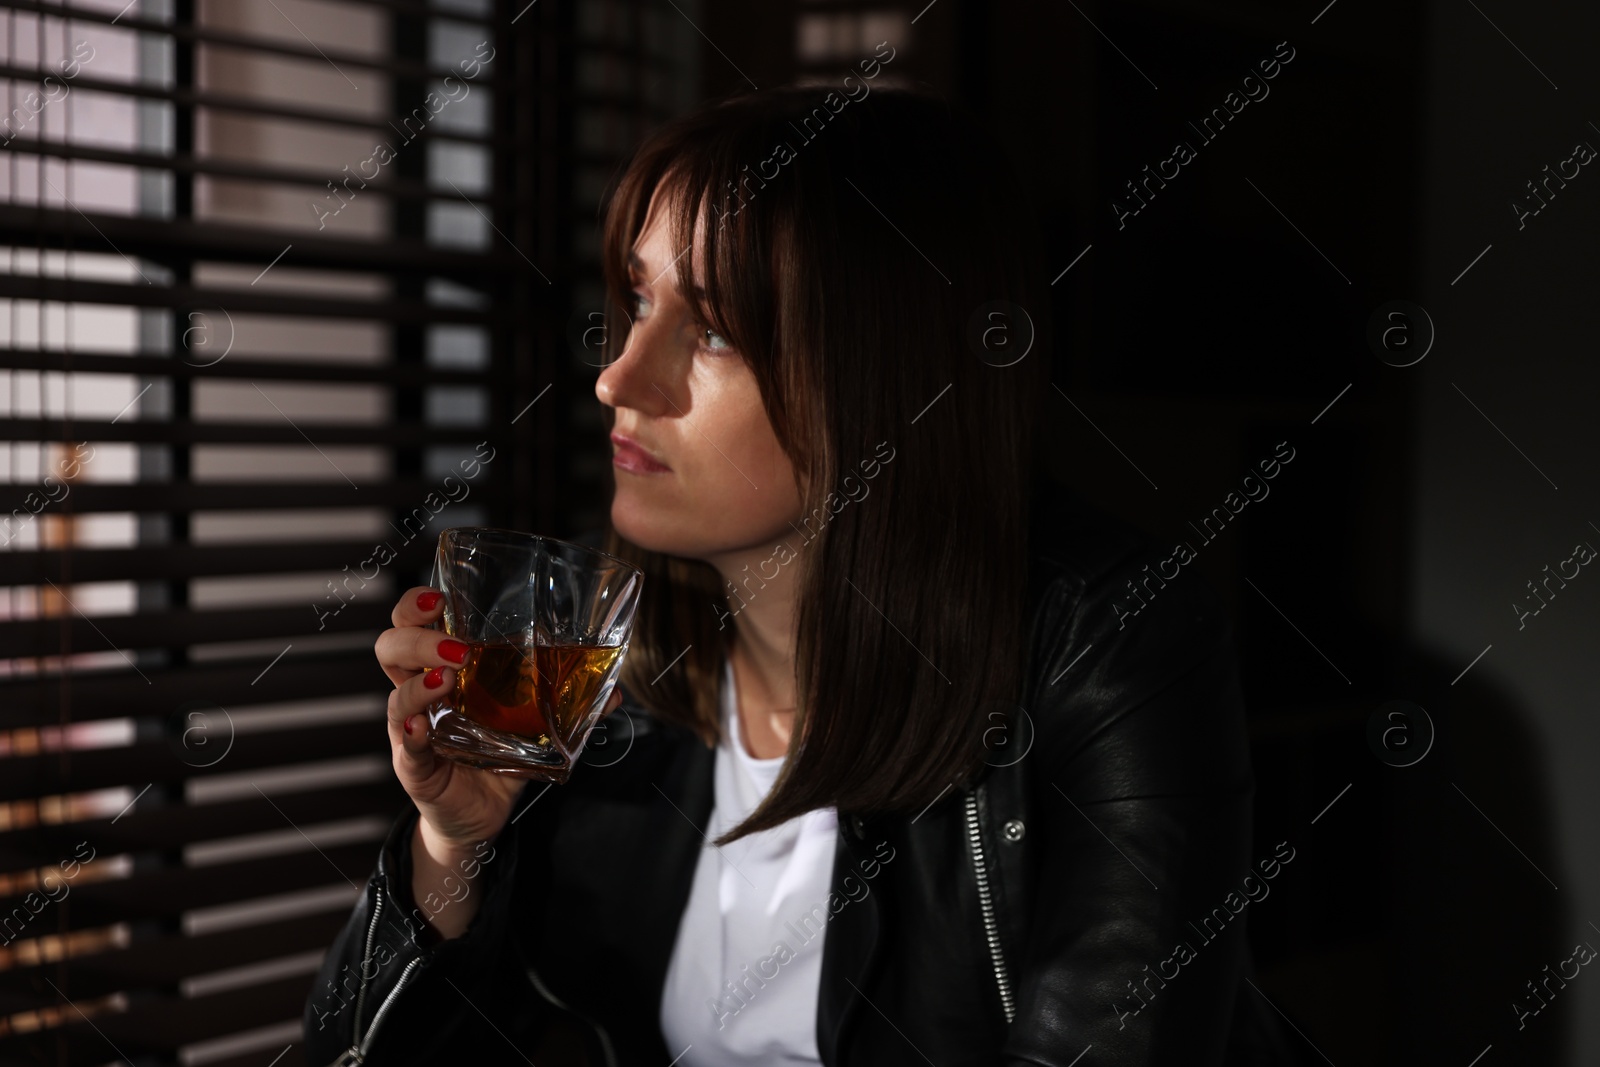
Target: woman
899	774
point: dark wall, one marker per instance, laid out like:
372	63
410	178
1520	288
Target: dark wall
1297	285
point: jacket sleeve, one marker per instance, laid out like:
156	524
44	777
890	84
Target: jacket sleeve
391	989
385	986
1141	791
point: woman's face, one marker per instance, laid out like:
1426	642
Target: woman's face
692	404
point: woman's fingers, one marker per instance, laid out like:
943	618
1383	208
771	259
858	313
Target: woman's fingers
400	650
403	650
418	606
408	721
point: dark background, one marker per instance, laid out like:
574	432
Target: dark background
1232	313
446	305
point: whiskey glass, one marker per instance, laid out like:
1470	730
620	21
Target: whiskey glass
546	623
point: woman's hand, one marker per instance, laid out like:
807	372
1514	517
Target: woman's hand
460	805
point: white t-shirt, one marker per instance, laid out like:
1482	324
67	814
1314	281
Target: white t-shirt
741	987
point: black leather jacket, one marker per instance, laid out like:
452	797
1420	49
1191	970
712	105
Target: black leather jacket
1087	897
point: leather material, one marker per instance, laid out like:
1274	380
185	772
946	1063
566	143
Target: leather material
1127	791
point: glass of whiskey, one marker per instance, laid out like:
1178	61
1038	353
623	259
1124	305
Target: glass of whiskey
546	623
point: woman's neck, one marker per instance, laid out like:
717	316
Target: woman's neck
766	705
762	655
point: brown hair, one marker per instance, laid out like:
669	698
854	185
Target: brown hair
870	255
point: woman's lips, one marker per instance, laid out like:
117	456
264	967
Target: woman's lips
630	457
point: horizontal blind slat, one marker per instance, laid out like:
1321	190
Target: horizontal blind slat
156	762
279	432
162	240
193	496
404	375
159	691
180	627
169	960
168	893
157	561
248	105
32	287
169	828
161	1023
403	189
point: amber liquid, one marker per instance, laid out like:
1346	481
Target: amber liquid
541	692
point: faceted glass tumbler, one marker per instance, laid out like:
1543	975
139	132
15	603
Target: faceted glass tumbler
546	624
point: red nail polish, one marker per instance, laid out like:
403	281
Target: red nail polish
428	601
407	723
453	650
434	678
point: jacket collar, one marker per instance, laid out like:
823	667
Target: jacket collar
688	788
852	944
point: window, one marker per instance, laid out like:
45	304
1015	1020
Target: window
286	288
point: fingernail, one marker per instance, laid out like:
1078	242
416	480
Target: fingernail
429	600
453	650
434	678
407	724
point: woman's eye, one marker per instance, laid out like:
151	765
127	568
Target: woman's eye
638	306
708	333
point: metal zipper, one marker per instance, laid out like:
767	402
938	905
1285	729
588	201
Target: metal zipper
377	1017
544	991
991	932
357	1053
366	956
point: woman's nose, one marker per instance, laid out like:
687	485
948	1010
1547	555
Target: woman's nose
641	375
